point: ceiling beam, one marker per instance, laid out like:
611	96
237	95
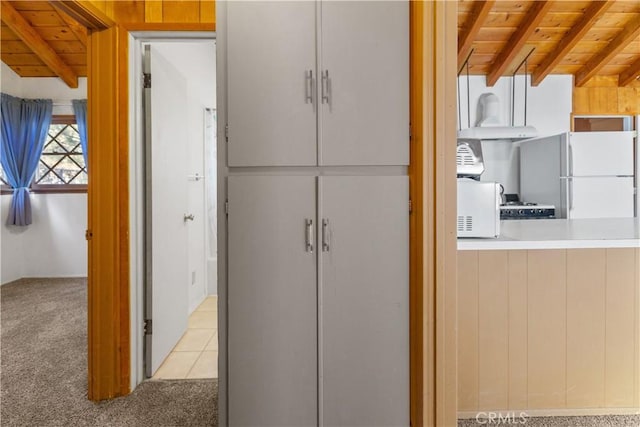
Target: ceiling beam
630	74
518	39
475	20
86	14
32	39
591	68
584	24
79	30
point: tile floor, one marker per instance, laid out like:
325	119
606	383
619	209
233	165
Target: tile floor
196	354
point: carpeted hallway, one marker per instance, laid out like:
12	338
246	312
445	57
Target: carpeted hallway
43	378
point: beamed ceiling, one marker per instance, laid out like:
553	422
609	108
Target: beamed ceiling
583	38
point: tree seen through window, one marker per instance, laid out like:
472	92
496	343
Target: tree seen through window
61	161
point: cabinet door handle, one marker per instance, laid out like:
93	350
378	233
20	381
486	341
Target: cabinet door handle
309	235
325	235
308	87
326	89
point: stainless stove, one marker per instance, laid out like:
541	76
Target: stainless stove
523	210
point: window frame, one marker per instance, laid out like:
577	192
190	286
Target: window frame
68	119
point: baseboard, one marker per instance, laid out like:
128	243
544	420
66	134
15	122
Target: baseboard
515	413
25	279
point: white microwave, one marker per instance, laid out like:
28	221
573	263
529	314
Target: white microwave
478	208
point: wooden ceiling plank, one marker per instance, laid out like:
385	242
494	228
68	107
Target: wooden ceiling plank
590	17
517	41
79	30
31	38
33	70
14	46
31	5
56	33
595	64
12	59
630	75
477	17
41	18
65	46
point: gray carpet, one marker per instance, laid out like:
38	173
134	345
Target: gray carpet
43	378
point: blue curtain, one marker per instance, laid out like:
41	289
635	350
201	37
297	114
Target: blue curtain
80	110
24	127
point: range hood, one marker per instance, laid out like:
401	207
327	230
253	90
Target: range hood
512	133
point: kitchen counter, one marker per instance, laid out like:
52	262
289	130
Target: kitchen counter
560	234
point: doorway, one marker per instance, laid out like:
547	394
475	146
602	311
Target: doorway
173	206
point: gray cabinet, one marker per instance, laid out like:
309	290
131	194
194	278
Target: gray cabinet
318	83
364	66
364	300
271	107
272	323
325	345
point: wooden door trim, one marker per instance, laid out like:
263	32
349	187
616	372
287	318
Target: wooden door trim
108	282
168	26
433	240
108	304
416	238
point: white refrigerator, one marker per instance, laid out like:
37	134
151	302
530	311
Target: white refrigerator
582	174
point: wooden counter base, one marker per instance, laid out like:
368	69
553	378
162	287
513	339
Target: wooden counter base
548	330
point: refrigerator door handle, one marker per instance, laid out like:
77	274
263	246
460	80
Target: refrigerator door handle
570	195
570	159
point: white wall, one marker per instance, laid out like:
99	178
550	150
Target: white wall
54	245
11	82
549	107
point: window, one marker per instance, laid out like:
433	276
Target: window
61	167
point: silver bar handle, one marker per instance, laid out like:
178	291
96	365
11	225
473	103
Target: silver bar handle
309	235
325	235
570	190
326	96
188	217
308	87
570	159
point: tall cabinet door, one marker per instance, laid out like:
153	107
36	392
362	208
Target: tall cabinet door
364	66
271	60
364	300
272	324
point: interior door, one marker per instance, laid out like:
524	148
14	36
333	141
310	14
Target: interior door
364	300
167	264
271	80
272	324
365	83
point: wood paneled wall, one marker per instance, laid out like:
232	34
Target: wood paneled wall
159	11
601	95
548	330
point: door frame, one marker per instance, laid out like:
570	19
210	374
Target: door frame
137	215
